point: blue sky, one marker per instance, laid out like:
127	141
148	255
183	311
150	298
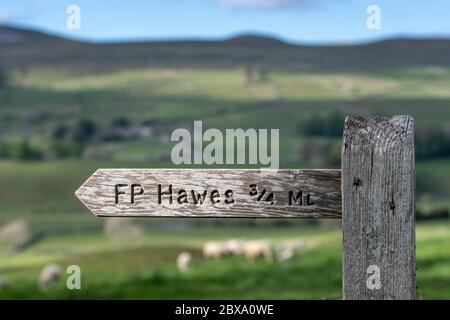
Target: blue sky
307	21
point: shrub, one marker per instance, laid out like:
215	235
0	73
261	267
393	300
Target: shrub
149	122
24	151
432	143
66	149
84	130
120	122
330	124
3	80
60	132
433	214
4	150
321	152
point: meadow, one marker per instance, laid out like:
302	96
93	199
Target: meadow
147	270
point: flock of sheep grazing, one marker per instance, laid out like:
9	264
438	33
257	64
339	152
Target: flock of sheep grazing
251	250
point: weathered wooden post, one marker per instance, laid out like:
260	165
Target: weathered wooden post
378	189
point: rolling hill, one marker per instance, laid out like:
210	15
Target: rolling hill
24	48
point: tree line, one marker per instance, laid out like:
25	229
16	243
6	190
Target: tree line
430	142
69	140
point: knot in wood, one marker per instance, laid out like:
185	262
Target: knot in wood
356	181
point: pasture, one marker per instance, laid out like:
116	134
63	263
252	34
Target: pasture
147	270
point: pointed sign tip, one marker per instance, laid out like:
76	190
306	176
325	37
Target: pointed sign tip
77	193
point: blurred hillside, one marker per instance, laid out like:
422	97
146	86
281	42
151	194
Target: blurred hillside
25	48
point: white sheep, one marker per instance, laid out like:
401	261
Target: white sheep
294	245
286	255
235	246
184	261
4	283
50	275
258	248
214	249
15	234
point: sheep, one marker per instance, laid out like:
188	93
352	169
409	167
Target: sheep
294	245
289	247
286	255
235	246
50	275
123	230
4	283
15	234
258	248
184	261
214	249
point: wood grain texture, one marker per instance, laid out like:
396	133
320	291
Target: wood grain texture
379	206
323	186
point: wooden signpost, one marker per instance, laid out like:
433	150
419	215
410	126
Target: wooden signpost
374	195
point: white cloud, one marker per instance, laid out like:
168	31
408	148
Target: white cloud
263	4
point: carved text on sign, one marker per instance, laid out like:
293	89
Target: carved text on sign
129	193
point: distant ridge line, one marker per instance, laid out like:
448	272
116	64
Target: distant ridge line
21	34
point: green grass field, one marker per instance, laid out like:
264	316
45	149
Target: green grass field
42	192
147	270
